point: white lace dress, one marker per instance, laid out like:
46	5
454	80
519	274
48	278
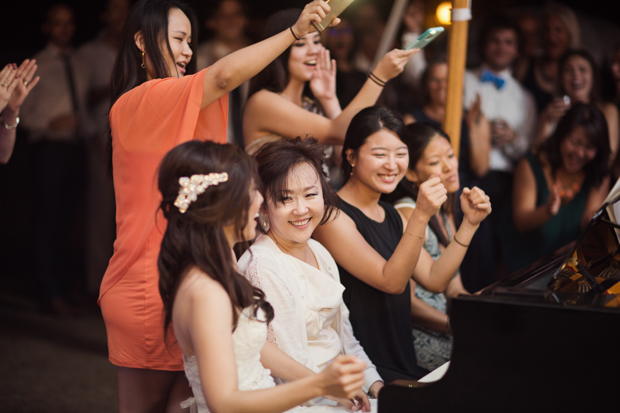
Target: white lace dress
248	339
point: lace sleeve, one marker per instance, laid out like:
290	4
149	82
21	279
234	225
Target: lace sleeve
252	276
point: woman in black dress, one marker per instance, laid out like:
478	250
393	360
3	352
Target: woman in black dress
375	256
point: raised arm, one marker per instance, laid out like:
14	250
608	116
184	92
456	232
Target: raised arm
17	82
526	215
292	121
354	254
231	71
435	275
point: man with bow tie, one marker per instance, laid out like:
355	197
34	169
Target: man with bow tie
512	113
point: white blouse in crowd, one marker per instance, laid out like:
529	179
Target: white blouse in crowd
311	322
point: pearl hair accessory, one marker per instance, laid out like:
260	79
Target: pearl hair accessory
195	185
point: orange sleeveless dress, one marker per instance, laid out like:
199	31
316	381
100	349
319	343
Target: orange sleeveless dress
146	123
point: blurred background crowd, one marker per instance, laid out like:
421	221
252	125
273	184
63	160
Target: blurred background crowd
57	212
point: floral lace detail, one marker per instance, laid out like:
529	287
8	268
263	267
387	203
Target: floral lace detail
252	275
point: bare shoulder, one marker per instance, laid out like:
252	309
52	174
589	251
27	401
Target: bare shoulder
262	97
199	297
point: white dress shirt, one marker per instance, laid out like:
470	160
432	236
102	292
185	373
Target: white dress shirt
513	104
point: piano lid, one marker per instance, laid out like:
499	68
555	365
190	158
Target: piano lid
585	273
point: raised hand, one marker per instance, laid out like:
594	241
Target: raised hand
554	200
475	204
7	84
24	83
323	80
312	14
343	377
393	63
431	196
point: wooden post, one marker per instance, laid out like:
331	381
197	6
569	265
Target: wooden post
457	53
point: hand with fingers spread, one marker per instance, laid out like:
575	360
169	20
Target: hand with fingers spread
393	63
323	81
475	204
431	196
24	83
312	14
7	84
343	377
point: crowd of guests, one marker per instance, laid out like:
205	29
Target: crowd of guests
367	220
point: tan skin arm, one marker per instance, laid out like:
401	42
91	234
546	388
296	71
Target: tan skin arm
11	99
265	106
231	71
354	254
479	138
476	205
611	115
202	317
284	367
595	200
526	215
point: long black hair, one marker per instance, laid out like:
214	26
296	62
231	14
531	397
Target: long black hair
149	17
196	238
275	76
594	124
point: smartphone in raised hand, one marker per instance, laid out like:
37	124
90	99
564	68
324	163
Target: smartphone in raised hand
337	7
425	38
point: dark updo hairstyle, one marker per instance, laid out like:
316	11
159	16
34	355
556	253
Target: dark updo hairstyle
364	124
275	76
594	124
277	159
595	92
196	238
419	135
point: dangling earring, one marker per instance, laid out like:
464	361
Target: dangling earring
263	220
352	166
143	65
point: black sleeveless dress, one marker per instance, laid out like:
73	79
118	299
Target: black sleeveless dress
381	322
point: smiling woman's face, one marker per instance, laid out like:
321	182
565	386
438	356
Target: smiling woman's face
179	38
438	159
302	60
381	162
295	214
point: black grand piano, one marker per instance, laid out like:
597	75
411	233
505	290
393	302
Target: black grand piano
546	338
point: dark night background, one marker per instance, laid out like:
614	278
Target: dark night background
20	21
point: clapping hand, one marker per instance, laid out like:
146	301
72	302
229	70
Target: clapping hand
7	84
24	83
343	377
475	204
431	196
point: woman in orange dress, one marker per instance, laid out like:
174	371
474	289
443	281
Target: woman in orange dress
155	107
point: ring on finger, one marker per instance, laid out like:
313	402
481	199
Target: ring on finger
4	84
26	83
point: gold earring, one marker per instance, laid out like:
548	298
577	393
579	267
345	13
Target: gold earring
143	65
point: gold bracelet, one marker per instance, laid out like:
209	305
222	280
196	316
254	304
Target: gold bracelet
415	235
458	242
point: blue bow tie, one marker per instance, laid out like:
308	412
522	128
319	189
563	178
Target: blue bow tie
488	76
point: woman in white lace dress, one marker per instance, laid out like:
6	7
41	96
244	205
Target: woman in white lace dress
298	276
210	198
